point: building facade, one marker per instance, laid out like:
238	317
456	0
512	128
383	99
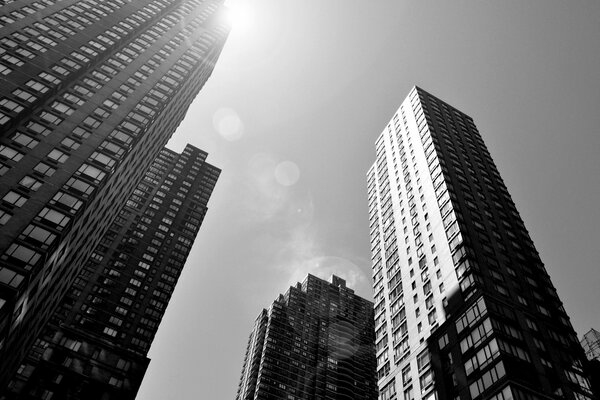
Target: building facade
591	345
314	342
96	343
464	308
90	92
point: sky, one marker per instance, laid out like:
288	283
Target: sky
291	113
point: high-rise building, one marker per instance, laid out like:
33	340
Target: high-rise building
90	92
591	345
96	343
464	308
314	342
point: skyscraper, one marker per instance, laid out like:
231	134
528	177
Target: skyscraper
591	346
464	308
314	342
96	343
90	92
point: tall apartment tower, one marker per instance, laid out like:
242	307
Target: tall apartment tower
314	342
90	92
96	343
464	308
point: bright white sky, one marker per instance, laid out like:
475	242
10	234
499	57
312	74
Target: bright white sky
291	113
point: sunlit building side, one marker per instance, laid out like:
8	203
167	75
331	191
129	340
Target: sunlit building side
464	307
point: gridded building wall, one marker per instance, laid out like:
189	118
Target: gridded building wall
314	342
591	344
96	343
90	92
463	304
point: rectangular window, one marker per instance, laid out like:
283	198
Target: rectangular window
423	361
30	183
9	153
80	186
91	172
58	156
24	140
10	278
55	218
22	256
14	199
487	379
44	169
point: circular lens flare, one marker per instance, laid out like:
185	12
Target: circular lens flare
228	123
287	173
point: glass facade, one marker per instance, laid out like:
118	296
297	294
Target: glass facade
314	342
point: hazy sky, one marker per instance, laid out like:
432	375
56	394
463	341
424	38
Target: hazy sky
291	113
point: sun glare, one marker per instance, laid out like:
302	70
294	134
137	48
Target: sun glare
240	15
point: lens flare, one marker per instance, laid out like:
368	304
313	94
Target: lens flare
287	173
228	123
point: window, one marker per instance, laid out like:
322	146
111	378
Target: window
472	315
58	156
80	186
431	317
91	122
36	87
10	278
10	105
71	344
4	70
488	378
123	364
49	78
70	143
135	282
30	183
423	360
62	108
485	355
37	128
24	140
22	255
44	169
110	332
73	99
406	376
81	133
66	201
4	217
91	172
50	118
54	218
426	381
103	159
14	198
10	154
24	96
476	336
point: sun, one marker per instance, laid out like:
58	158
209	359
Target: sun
241	15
